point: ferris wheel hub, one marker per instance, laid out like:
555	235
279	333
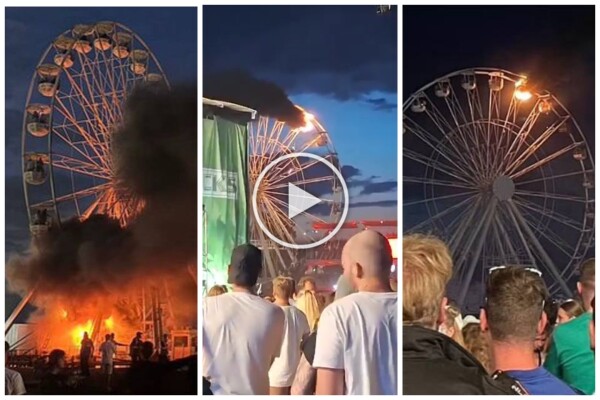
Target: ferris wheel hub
503	188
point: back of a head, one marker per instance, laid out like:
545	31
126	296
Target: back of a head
372	251
454	323
217	290
309	305
477	344
306	283
587	282
572	307
515	301
426	270
283	287
245	266
55	356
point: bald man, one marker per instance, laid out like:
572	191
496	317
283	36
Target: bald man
357	352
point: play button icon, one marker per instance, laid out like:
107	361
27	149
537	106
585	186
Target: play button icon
299	200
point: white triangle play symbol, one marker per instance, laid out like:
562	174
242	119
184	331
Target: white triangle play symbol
299	200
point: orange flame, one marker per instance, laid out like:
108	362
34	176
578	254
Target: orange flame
109	323
79	330
308	124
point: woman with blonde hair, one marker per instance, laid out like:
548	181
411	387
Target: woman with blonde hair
452	327
477	344
307	303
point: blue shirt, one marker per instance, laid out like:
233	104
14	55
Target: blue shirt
539	381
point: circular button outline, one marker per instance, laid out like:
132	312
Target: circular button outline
294	245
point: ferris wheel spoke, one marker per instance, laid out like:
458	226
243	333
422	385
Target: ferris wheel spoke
503	236
556	241
303	182
437	165
562	197
553	177
535	146
520	137
304	213
443	213
545	160
479	233
538	247
79	166
436	145
450	196
554	215
436	182
85	106
76	147
93	143
455	241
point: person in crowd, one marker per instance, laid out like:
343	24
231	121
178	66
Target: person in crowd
163	355
242	333
305	379
570	357
307	284
56	380
108	349
543	339
281	373
343	287
569	310
309	305
478	345
217	290
513	316
430	356
593	327
13	381
356	350
85	354
452	326
135	348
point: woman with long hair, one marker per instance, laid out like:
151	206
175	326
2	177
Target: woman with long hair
307	303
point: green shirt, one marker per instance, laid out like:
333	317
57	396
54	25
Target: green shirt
570	357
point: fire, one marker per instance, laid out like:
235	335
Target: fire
109	323
79	330
308	122
63	313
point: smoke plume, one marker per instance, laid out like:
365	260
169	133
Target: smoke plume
154	153
267	98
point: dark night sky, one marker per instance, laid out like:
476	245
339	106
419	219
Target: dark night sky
171	33
338	62
552	45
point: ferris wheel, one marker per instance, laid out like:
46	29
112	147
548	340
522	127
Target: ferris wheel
269	140
501	171
74	104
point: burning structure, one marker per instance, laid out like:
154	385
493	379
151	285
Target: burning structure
98	275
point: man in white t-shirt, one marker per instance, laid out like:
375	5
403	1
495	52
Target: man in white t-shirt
356	351
13	381
242	333
108	348
281	374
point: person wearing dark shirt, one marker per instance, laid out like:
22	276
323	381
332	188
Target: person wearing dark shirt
56	380
87	349
135	348
514	316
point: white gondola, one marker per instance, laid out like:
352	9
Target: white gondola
419	105
37	119
139	60
63	46
579	154
469	82
496	81
442	89
82	33
48	76
122	44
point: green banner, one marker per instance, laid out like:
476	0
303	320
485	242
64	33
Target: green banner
225	208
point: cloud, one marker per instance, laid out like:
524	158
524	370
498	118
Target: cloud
348	172
381	104
343	52
379	187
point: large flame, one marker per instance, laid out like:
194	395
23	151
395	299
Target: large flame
79	330
308	122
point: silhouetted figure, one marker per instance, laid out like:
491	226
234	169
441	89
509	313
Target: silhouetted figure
108	349
163	355
56	380
135	348
85	353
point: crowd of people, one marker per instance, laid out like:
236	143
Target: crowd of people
149	370
298	342
522	342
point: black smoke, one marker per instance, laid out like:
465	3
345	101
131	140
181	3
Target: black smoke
237	86
154	153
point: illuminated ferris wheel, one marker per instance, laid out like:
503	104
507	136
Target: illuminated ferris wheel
269	140
502	172
74	104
